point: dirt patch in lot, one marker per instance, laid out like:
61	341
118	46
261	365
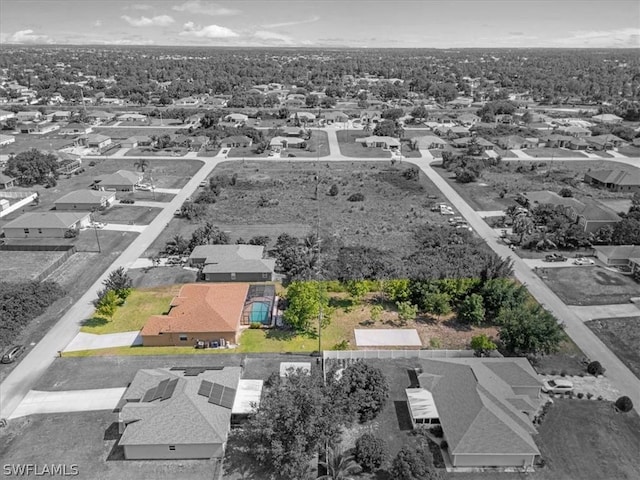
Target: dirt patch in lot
590	286
587	439
622	336
128	214
89	441
159	276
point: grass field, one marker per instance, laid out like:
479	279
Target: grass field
392	208
139	306
49	142
117	133
349	147
126	213
622	336
20	266
590	286
553	152
160	276
588	440
150	152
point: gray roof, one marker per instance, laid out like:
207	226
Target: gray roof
85	196
233	258
46	220
184	418
475	407
121	177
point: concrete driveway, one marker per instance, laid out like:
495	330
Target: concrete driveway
122	227
90	341
619	310
68	401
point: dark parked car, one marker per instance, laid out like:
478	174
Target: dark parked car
13	353
554	257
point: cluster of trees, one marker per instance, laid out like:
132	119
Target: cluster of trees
33	167
117	287
300	415
139	71
468	167
21	302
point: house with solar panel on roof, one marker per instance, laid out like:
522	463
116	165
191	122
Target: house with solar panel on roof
183	413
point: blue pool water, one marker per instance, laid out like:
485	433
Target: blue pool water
259	313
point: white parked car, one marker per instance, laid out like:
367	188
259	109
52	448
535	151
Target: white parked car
557	385
583	261
98	225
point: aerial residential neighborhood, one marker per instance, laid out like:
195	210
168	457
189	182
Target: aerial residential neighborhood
331	240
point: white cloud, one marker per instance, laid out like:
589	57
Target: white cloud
97	23
128	42
313	19
624	37
210	31
159	21
205	8
273	37
138	6
28	36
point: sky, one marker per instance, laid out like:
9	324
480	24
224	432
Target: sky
325	23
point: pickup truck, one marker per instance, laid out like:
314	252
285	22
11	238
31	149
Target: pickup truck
554	257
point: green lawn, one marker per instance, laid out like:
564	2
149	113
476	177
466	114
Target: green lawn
134	313
350	148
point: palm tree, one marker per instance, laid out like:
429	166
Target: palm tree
339	466
141	165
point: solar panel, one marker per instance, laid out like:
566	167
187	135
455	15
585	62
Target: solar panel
216	394
150	394
160	389
228	396
205	388
171	386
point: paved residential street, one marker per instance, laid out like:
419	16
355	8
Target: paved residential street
623	379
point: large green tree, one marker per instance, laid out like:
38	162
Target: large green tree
305	302
366	388
32	167
471	310
529	329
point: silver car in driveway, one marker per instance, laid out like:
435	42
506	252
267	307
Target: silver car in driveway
557	385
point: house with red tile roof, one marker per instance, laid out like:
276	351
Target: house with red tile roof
200	312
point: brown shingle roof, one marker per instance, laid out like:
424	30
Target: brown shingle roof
202	308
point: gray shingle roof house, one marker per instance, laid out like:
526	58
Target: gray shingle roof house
236	141
167	414
233	263
615	180
484	408
45	224
85	200
122	180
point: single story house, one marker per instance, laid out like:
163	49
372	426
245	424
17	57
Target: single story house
468	119
100	116
236	141
137	141
428	142
456	131
576	131
484	406
209	312
606	118
376	141
61	115
86	200
75	128
578	143
294	103
236	118
556	140
233	263
276	143
604	142
37	128
45	224
132	117
122	180
591	215
6	115
6	140
333	117
6	181
615	180
618	255
460	102
304	117
28	116
96	140
466	142
293	131
510	142
179	413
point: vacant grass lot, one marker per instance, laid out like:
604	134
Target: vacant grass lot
150	152
622	336
590	286
160	276
349	147
587	439
126	214
553	152
117	133
49	141
514	177
139	306
20	265
392	208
